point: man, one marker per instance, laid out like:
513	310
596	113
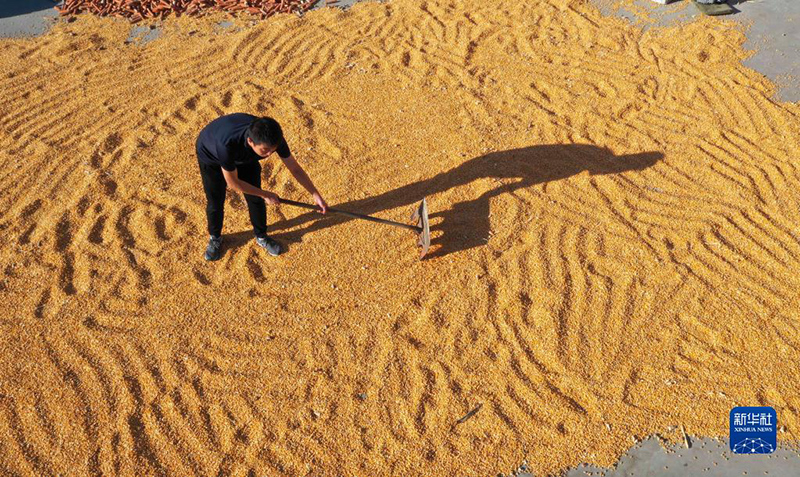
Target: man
228	151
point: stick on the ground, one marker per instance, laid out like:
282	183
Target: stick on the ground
686	440
470	414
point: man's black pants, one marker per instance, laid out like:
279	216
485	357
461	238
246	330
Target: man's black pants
215	186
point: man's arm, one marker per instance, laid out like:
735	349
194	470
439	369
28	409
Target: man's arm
232	178
305	181
299	174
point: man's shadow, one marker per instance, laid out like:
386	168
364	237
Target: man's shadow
466	224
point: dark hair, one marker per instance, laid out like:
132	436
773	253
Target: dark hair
265	131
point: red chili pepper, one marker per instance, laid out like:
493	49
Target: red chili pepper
137	10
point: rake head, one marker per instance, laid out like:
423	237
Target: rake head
419	217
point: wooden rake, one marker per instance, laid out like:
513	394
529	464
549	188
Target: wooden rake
419	219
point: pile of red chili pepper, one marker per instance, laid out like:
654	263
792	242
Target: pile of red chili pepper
137	10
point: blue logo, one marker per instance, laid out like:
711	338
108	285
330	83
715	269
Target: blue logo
753	430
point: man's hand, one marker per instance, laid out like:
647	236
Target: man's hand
320	202
271	198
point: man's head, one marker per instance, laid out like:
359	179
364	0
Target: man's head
264	136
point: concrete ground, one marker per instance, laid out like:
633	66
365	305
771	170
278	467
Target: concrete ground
774	34
19	18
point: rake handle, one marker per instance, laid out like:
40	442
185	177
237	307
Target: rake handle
415	228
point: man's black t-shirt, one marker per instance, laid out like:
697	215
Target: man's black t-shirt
223	142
